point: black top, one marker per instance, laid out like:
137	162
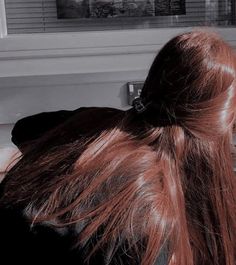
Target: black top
75	123
44	244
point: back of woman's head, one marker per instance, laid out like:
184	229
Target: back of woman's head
156	182
192	81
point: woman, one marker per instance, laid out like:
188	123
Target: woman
151	185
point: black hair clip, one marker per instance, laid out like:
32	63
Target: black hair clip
139	105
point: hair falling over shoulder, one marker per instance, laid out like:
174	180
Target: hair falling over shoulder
159	181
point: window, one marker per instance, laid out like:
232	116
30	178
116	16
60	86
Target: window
39	16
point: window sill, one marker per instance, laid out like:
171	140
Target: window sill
86	52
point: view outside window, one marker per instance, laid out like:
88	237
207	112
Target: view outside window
38	16
119	8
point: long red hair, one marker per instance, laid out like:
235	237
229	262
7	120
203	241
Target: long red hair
157	182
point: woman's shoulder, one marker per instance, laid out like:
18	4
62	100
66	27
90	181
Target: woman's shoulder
81	120
96	112
95	117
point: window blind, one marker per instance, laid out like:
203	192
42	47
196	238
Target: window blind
39	16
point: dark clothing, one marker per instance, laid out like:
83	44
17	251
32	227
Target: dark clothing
44	244
76	123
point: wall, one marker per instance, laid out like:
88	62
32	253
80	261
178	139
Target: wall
23	96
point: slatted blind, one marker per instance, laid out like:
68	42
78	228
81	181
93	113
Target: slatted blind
39	16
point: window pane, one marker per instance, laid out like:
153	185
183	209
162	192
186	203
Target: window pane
32	16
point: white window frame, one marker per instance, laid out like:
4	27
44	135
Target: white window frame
84	52
3	21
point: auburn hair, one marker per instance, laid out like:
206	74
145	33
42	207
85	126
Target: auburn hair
155	182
